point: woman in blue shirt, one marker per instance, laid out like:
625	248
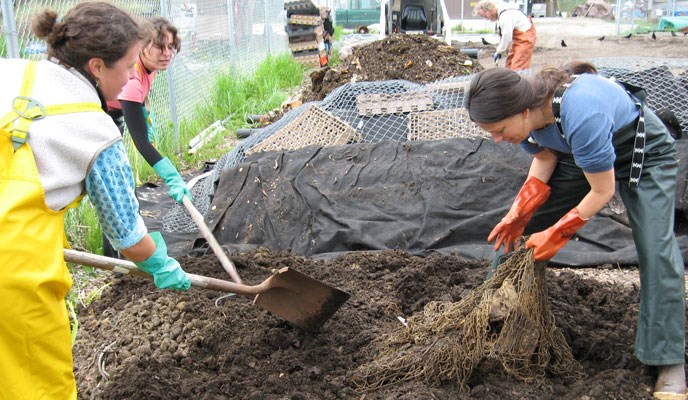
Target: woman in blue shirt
585	133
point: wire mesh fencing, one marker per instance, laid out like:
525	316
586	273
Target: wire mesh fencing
218	37
399	110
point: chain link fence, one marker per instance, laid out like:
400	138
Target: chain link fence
218	37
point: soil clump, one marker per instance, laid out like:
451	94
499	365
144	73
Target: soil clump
137	342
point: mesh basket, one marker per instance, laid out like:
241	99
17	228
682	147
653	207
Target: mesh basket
443	124
314	127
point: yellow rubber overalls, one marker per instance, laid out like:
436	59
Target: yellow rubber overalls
35	342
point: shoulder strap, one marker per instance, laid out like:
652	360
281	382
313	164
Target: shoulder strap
638	95
556	102
25	109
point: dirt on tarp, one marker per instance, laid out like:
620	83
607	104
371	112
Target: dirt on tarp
137	342
415	58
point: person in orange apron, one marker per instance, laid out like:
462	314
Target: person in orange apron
516	31
589	137
56	145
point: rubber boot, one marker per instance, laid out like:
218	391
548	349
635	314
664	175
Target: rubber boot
498	258
671	383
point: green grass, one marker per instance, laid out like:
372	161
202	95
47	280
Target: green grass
82	227
338	32
462	29
232	99
642	27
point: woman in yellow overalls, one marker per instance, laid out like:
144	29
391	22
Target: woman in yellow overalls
57	144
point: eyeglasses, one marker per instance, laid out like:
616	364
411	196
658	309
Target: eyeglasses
164	49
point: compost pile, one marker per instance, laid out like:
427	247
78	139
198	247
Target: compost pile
415	58
137	342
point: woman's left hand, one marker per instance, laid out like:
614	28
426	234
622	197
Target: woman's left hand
548	242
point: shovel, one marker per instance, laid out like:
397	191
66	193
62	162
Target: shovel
208	235
289	294
323	296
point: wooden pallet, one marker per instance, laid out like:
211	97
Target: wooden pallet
306	5
298	19
368	105
313	127
303	46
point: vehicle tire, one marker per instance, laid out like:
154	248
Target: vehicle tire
363	29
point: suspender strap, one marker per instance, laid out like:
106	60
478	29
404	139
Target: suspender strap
556	103
25	110
638	144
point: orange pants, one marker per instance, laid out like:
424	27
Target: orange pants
521	50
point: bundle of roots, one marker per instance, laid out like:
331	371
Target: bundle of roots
507	319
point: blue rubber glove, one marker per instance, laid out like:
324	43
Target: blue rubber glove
174	181
497	57
166	271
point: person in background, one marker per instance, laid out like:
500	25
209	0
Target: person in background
161	44
516	31
586	133
328	29
58	144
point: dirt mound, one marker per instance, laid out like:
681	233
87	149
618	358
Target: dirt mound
140	343
415	58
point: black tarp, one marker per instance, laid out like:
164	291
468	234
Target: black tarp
418	197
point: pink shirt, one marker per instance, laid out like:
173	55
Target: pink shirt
136	89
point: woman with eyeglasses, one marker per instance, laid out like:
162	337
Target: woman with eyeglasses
161	44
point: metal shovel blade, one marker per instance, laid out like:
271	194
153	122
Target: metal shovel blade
289	294
299	299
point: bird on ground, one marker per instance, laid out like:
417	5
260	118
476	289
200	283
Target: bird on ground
628	36
674	34
600	38
485	42
654	37
563	43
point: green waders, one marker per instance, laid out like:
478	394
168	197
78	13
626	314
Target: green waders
660	336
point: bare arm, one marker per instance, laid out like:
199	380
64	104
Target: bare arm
141	250
543	165
602	184
602	187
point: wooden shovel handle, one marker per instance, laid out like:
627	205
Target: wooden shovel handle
208	235
128	267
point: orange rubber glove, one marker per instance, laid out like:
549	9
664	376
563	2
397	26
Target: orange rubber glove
548	242
532	195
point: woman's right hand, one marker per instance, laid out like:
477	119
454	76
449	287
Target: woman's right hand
506	232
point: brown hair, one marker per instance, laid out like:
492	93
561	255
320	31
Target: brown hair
499	93
88	30
156	30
